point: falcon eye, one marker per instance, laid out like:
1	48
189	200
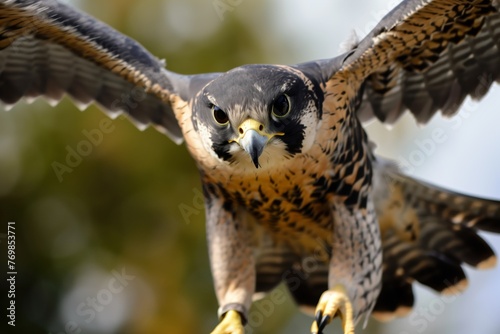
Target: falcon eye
281	106
220	115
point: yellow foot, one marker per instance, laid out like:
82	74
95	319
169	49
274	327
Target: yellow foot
230	324
332	302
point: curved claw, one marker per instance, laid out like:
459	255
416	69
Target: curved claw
319	316
321	321
332	302
322	324
230	324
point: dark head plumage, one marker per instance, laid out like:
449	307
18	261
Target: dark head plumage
284	103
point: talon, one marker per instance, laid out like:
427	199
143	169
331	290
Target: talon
332	302
320	321
319	317
325	321
230	324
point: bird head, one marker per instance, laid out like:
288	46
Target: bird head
258	115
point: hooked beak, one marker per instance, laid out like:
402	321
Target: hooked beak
253	139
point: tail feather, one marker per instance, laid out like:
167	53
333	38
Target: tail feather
428	234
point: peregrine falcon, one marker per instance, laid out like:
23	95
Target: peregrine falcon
287	170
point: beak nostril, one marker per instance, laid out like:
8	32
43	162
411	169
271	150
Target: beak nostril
261	127
240	130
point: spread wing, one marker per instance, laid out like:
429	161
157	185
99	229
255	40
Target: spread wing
427	56
48	48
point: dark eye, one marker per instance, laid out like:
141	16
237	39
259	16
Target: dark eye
281	106
220	115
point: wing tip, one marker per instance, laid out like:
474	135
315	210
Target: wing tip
178	140
8	106
456	288
489	263
386	316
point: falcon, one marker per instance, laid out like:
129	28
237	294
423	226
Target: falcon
287	170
